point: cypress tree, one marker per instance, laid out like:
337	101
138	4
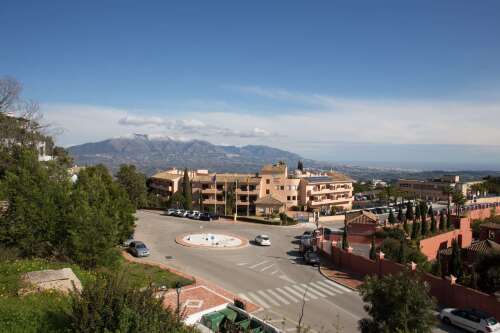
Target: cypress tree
415	230
433	221
345	243
406	227
400	214
423	210
456	259
186	191
402	252
424	228
300	165
409	211
442	221
373	252
449	226
392	219
417	212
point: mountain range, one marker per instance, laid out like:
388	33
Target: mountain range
151	155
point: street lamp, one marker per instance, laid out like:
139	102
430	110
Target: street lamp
178	291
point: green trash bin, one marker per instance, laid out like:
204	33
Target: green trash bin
213	320
230	314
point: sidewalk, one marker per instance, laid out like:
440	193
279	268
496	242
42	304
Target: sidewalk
344	277
202	293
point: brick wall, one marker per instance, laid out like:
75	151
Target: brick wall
430	246
446	292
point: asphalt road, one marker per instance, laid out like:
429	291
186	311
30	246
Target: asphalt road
273	277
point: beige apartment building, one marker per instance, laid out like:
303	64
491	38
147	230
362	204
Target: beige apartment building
436	189
271	191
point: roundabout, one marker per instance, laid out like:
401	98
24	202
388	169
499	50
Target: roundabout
211	240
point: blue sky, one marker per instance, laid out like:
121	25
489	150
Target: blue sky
318	78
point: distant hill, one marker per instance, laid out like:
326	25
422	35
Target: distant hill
152	155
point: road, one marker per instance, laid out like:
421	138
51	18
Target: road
273	277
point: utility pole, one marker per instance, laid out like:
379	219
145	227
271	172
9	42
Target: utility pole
248	197
236	201
225	196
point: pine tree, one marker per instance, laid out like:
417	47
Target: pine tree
410	216
392	219
433	221
373	252
186	191
442	221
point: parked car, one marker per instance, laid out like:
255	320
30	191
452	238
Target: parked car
311	258
196	215
129	240
179	212
185	213
191	214
263	240
470	319
214	216
171	211
308	233
205	217
138	249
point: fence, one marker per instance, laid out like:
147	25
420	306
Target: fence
447	292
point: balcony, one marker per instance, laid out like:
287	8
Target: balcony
161	187
239	191
211	191
213	202
329	201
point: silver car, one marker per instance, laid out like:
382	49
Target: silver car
470	320
138	249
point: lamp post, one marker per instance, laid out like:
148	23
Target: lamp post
178	291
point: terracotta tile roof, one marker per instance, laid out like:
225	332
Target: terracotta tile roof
269	200
242	178
361	216
490	225
481	247
166	175
273	169
339	177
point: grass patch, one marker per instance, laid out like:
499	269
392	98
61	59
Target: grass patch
140	275
48	311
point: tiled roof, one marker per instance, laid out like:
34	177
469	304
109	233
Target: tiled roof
339	177
242	178
269	200
166	175
490	225
483	246
362	216
273	168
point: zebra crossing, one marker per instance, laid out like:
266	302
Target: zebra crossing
294	293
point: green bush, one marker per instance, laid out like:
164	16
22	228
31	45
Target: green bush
111	304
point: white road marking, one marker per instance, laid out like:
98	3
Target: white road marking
241	295
324	289
257	300
312	290
242	264
274	272
303	289
336	285
290	297
268	298
296	293
286	278
260	263
275	294
266	268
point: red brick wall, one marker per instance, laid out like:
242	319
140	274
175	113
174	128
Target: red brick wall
430	246
447	294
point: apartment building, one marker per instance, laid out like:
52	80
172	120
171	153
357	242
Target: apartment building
272	190
436	189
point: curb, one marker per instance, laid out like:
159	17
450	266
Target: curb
329	278
244	243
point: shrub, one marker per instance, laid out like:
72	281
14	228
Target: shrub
110	304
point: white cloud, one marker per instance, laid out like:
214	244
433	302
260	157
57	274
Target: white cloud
314	121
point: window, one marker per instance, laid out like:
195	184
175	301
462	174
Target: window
267	191
294	198
268	181
282	187
288	198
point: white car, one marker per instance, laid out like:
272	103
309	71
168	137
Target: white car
192	214
171	211
263	240
470	320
